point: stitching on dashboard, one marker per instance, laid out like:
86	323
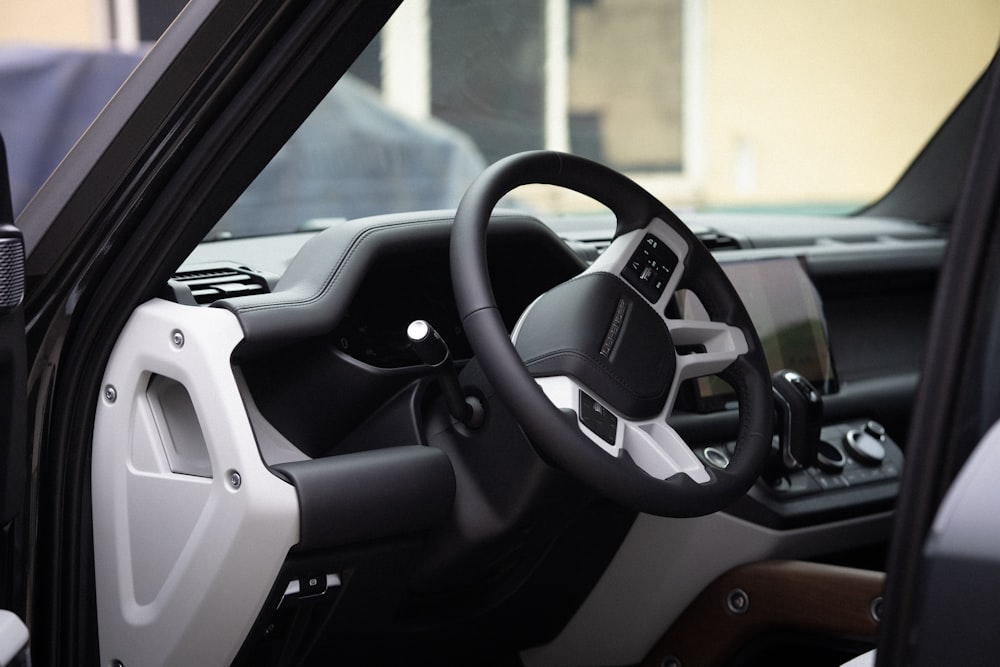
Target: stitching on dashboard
354	245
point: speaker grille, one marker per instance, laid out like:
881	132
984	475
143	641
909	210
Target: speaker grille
11	273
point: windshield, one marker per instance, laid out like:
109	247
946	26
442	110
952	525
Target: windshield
724	105
812	107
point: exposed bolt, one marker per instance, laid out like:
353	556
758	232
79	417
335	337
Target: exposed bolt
737	601
117	663
671	661
875	608
235	480
110	394
177	337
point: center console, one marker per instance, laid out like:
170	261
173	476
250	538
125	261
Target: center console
818	471
856	472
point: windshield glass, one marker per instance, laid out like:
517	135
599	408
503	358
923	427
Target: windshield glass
786	106
724	105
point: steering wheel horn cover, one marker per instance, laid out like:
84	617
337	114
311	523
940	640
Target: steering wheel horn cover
598	330
644	449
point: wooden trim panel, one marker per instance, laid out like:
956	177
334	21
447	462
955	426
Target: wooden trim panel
776	595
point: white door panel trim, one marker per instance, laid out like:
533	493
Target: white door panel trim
184	562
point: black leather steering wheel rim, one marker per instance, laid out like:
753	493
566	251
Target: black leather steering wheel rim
554	432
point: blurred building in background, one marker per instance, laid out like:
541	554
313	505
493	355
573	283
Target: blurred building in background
719	104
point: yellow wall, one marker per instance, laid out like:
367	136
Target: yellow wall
808	101
65	22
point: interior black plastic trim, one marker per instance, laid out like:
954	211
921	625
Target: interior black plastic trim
931	186
370	495
316	289
886	400
14	457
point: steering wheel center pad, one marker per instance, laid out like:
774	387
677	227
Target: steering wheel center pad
596	329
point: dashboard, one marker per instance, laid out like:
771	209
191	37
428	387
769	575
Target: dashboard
336	377
874	279
856	292
863	286
403	286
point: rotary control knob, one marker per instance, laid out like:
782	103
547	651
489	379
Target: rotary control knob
864	447
875	430
829	458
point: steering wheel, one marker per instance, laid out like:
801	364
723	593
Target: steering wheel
593	367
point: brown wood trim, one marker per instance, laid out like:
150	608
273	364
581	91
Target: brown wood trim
781	595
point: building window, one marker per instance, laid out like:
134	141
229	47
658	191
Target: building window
607	79
625	83
490	84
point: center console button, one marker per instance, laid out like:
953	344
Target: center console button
875	430
864	447
829	458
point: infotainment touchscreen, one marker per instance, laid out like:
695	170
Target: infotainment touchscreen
788	315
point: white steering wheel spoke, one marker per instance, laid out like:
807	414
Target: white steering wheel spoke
661	452
705	348
565	394
650	259
652	445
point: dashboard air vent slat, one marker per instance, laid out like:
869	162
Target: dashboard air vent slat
589	249
717	241
203	286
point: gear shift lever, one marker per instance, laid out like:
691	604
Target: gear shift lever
800	416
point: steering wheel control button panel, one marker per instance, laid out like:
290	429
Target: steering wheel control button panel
597	418
649	268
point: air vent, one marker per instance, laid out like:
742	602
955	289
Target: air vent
211	283
589	249
715	241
